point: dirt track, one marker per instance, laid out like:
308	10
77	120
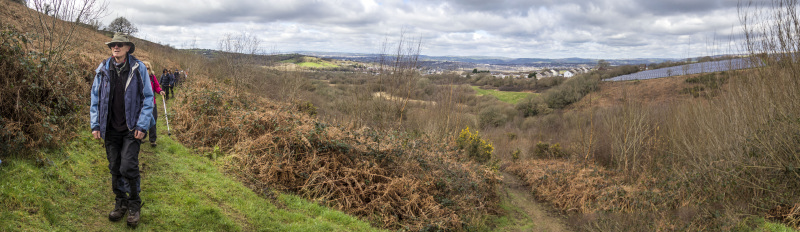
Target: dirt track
528	214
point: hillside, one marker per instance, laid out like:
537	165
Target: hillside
653	91
391	179
659	91
676	153
64	185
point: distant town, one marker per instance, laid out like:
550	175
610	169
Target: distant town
500	67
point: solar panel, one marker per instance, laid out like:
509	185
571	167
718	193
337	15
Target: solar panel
705	67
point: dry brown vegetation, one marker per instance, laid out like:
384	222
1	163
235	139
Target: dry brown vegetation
44	79
394	179
649	155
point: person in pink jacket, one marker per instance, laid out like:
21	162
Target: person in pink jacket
156	89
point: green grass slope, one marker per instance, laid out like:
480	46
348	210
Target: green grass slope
311	62
508	97
182	191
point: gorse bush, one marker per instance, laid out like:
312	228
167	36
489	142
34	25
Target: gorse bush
712	80
710	84
515	154
477	149
546	150
306	107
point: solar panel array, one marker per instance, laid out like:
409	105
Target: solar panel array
705	67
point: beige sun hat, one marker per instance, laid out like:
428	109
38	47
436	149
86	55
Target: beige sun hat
120	37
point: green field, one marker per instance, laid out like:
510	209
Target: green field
311	62
509	97
323	64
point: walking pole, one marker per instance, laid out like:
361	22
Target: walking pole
165	116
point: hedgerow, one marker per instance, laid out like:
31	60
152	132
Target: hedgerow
41	100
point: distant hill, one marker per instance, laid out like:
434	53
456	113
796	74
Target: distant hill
492	60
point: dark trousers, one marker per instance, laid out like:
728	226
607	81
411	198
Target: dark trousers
122	151
153	133
167	91
172	90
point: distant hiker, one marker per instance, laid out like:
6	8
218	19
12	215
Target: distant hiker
182	78
153	133
166	83
120	113
177	76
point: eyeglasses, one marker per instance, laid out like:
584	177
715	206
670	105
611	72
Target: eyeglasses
112	45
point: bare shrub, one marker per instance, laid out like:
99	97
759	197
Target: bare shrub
570	91
398	72
54	35
633	137
236	55
533	105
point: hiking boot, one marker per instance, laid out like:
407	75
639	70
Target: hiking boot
120	208
133	215
153	144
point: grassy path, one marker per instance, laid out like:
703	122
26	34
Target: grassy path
69	190
524	213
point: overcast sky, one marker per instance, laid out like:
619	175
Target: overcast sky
600	29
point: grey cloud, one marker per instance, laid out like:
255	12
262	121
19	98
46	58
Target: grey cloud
563	28
221	11
685	6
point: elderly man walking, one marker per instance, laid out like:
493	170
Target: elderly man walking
121	112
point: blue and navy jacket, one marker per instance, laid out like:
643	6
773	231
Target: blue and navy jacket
138	97
167	79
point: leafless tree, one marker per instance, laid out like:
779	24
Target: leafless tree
234	47
56	29
398	71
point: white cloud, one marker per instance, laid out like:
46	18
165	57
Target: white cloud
513	28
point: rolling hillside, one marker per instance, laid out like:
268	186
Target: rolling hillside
65	186
236	159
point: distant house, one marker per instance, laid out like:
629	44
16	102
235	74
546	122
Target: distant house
547	73
569	74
